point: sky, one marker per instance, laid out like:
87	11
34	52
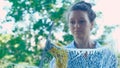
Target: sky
109	8
7	26
111	16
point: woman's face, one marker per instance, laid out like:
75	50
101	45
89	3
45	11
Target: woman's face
79	23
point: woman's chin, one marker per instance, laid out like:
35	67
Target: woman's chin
78	36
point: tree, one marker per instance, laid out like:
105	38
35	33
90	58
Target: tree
24	45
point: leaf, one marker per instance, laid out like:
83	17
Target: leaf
68	38
38	24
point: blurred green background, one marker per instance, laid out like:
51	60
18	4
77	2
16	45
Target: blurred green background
31	20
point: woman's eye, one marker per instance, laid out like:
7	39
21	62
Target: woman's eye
72	22
81	22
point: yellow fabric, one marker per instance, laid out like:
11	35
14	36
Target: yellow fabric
61	57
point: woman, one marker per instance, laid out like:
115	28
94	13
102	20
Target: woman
81	19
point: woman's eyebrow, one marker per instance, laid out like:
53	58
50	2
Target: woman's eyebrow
81	18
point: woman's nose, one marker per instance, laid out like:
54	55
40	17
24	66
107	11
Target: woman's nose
77	24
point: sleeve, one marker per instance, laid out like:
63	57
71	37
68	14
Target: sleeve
52	63
114	62
109	58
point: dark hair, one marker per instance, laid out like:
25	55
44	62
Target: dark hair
84	6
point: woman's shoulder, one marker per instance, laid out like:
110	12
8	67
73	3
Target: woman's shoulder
70	45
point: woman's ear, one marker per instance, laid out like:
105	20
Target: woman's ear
92	25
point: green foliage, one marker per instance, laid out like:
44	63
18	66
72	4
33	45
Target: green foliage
104	37
68	38
37	24
17	51
18	48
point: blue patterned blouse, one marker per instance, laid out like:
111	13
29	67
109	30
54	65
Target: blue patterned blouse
99	57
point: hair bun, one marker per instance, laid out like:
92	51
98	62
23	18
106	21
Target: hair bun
88	4
85	3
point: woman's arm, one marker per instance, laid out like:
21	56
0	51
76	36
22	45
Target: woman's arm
52	63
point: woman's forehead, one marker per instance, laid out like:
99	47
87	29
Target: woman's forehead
78	14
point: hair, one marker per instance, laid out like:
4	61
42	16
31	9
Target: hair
83	6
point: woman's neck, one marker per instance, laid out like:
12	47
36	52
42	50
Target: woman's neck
84	43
